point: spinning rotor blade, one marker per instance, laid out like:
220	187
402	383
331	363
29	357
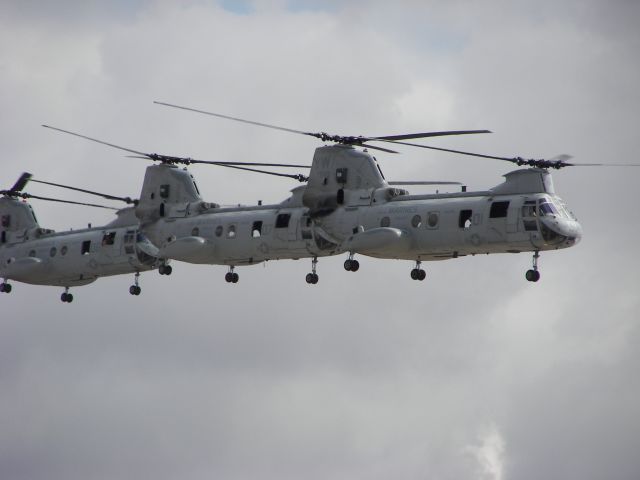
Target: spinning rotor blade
325	137
127	200
49	199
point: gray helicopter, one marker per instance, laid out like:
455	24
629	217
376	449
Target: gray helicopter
346	206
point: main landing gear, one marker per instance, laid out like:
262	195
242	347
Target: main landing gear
5	287
165	269
66	297
417	273
312	278
231	276
135	288
533	275
351	265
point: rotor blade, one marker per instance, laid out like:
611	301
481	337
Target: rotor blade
286	165
127	200
299	177
604	164
366	145
147	155
21	182
410	136
454	151
424	183
28	195
236	119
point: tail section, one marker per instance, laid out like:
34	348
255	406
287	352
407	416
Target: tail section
17	219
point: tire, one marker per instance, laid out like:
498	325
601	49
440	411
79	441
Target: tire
415	274
235	277
348	265
422	275
355	265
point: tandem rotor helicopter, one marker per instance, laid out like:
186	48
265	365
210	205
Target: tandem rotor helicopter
346	206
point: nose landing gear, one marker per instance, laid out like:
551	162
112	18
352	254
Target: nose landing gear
135	288
312	278
533	275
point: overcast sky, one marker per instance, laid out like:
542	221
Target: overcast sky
472	374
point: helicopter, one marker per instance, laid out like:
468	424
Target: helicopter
39	256
346	206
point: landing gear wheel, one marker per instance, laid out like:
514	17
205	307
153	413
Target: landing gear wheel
165	269
415	274
422	275
347	264
66	297
532	275
355	265
235	277
228	277
312	278
5	287
135	290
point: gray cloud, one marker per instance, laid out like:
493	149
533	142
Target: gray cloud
473	374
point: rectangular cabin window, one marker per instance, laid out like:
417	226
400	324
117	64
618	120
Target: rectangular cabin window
282	220
86	247
464	221
109	238
498	209
6	221
256	230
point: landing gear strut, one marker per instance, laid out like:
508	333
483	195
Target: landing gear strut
66	297
135	288
351	265
165	269
231	276
533	275
312	278
417	273
5	287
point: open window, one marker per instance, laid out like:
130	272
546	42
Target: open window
282	220
256	229
499	209
108	238
464	221
86	247
231	231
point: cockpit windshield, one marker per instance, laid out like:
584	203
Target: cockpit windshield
546	208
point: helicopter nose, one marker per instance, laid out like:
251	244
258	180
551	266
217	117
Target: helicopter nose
572	230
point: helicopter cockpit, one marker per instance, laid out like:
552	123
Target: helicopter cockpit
551	217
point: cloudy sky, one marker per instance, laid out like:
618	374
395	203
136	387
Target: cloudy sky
472	374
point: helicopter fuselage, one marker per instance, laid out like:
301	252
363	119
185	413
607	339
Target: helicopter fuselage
73	258
422	228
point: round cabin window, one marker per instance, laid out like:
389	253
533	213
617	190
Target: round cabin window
385	222
432	220
416	221
219	230
53	251
63	250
